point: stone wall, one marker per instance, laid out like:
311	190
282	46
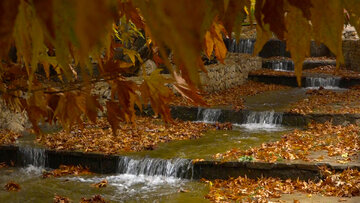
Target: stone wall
232	73
15	121
351	51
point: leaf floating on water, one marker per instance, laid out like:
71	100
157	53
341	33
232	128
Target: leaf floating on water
101	184
94	199
12	186
61	199
65	170
197	160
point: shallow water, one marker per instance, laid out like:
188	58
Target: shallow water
276	101
131	187
121	187
216	141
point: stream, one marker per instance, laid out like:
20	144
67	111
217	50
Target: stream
160	175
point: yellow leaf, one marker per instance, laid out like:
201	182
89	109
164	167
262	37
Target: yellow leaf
209	44
297	38
328	25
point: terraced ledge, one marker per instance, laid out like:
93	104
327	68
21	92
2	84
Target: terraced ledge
223	170
288	119
106	164
308	64
291	80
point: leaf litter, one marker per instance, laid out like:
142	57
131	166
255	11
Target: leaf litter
12	186
243	189
8	137
329	102
342	142
65	170
232	96
144	134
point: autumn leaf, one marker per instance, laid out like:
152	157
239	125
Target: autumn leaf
101	184
12	186
127	8
61	199
65	170
90	28
233	15
214	41
297	38
94	199
125	92
209	44
98	137
188	91
328	26
71	106
153	89
113	115
8	13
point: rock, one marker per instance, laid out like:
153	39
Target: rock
349	32
11	120
232	73
149	66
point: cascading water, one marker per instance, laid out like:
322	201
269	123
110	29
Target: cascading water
243	46
208	115
265	120
32	156
279	65
325	82
179	168
143	178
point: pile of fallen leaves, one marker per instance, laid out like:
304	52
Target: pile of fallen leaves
94	199
12	186
8	137
344	184
65	170
233	96
61	199
337	140
3	165
145	134
327	101
101	184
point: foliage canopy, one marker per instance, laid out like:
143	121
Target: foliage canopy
65	38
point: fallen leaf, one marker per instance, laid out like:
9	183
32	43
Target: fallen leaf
12	186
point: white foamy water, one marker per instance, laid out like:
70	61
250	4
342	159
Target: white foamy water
32	156
32	170
243	46
208	115
325	82
265	120
286	66
136	187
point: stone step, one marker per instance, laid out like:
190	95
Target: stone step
288	65
107	164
